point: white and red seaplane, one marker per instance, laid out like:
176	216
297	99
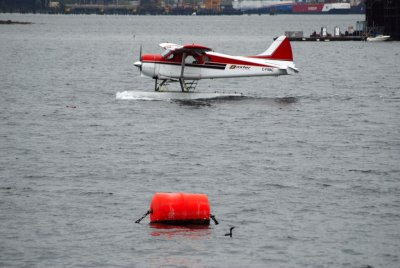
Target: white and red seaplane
187	64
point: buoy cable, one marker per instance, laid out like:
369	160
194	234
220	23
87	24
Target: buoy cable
230	231
144	216
214	219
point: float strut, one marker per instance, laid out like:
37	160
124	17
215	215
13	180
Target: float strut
156	85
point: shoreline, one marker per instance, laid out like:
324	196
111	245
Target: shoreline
14	22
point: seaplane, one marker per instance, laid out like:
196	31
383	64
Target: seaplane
187	64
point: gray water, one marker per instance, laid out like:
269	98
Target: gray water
306	167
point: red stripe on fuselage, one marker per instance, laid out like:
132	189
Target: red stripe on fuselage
212	59
205	66
226	60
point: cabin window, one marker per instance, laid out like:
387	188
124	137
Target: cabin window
190	60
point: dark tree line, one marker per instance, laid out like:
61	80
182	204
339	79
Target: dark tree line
23	5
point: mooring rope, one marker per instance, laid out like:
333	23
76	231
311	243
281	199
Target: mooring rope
214	219
144	216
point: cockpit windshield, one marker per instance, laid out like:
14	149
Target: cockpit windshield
166	53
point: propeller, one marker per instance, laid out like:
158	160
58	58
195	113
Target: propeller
139	62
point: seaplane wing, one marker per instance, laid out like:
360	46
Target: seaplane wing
190	49
186	48
193	62
170	46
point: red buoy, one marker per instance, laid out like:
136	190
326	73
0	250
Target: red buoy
180	208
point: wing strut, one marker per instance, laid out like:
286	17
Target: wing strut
186	86
181	81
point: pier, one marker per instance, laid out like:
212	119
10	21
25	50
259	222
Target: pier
323	36
101	9
327	39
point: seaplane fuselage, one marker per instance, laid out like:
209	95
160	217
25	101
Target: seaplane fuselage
195	62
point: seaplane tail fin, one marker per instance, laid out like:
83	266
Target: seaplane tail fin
280	49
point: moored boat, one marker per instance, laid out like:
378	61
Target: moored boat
379	37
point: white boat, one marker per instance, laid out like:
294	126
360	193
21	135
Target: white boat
379	37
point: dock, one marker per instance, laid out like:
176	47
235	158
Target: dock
349	35
328	38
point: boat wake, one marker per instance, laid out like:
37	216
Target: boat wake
200	99
174	95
